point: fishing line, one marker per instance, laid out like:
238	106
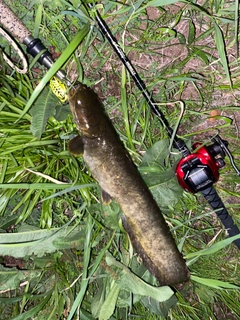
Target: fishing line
19	52
181	103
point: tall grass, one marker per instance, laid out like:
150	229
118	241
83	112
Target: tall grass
86	265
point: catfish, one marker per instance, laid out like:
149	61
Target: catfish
114	170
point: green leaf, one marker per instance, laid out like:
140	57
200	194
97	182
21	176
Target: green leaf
99	296
157	154
164	187
109	304
200	54
191	32
43	108
112	214
161	182
159	308
10	278
181	38
62	112
26	242
129	281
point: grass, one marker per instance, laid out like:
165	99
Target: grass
183	52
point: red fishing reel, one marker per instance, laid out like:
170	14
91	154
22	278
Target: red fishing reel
199	170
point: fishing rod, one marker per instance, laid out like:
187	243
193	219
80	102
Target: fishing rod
35	47
178	143
196	171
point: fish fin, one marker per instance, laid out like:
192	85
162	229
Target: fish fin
76	146
106	198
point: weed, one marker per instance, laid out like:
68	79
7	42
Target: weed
65	255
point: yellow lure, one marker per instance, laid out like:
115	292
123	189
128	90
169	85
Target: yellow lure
59	89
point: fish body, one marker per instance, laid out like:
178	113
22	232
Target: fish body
114	170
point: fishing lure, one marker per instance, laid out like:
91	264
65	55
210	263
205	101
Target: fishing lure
59	89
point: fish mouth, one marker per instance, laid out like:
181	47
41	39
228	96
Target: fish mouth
75	87
73	90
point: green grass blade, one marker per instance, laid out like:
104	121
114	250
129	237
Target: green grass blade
56	66
236	30
85	279
38	20
45	186
32	312
217	284
214	248
221	47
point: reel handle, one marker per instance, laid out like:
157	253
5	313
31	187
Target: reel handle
211	195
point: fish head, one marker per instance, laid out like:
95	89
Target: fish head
87	110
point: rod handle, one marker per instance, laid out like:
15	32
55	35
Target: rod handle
12	24
211	195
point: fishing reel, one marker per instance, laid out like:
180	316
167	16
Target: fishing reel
199	170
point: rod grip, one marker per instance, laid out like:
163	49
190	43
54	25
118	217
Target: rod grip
12	24
211	195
